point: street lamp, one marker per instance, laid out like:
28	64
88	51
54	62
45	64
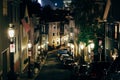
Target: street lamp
29	55
11	33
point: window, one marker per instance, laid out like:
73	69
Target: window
57	33
5	7
53	41
43	28
53	34
71	29
54	27
57	42
116	32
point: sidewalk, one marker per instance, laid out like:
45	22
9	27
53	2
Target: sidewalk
24	76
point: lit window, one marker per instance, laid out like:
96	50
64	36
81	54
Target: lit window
43	28
4	7
116	31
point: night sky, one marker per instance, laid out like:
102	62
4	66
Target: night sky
59	2
115	9
52	3
115	6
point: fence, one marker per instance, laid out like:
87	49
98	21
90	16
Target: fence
4	64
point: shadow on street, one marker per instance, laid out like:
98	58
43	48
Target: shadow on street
53	69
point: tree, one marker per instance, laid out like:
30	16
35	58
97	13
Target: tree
85	19
47	12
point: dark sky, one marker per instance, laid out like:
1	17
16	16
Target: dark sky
115	6
59	2
52	3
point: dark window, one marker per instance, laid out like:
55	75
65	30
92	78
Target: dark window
53	34
54	27
53	41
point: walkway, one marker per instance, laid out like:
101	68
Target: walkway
53	69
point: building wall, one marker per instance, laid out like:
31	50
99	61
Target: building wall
4	42
54	34
3	28
112	39
9	13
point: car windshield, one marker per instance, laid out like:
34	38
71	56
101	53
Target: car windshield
62	51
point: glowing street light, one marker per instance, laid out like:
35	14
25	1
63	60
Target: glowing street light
11	33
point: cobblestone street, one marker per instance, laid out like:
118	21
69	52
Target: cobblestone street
53	69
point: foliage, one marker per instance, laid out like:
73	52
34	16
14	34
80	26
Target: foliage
86	35
85	18
49	14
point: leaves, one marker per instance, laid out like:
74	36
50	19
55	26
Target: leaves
86	35
83	12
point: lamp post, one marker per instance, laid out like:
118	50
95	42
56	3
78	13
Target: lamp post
11	33
29	55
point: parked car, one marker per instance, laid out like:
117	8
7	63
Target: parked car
80	71
62	51
97	70
68	63
64	56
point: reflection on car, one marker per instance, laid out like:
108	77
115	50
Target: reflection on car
68	62
64	56
60	52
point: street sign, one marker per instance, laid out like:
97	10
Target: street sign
12	47
100	50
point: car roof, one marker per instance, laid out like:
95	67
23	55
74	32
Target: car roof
65	54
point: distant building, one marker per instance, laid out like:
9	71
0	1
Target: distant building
66	4
54	34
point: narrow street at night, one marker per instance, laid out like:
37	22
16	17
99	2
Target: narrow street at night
53	69
59	40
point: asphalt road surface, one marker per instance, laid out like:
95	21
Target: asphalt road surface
53	69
